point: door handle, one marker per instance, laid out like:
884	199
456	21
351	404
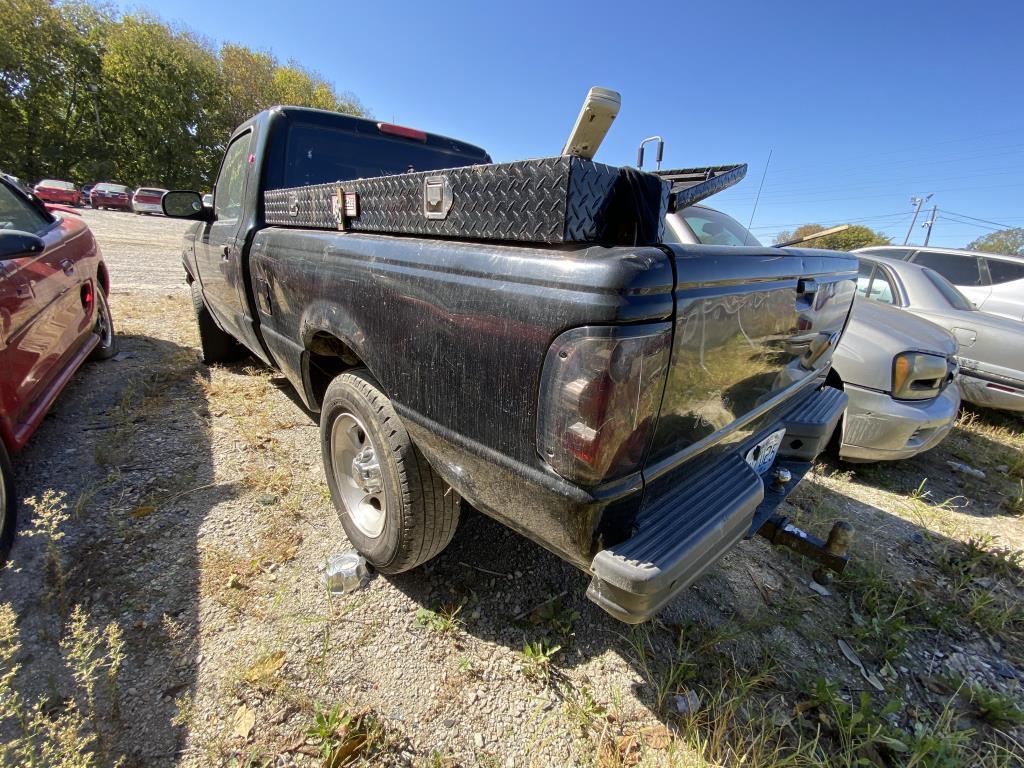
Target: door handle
225	252
68	266
22	290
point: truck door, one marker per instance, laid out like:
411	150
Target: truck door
219	246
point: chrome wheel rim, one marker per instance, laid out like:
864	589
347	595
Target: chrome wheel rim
104	325
358	475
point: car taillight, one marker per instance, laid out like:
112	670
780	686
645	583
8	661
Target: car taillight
599	397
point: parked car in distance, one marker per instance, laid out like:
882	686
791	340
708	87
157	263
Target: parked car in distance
53	316
147	200
897	369
899	372
86	193
107	195
991	348
57	191
993	281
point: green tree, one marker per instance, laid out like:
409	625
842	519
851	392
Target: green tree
1009	241
166	100
50	54
856	236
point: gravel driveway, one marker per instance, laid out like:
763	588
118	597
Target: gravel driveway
199	520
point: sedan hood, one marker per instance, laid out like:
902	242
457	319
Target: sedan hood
876	334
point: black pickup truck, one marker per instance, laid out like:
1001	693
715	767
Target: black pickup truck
637	410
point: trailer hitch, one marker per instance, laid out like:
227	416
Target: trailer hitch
831	555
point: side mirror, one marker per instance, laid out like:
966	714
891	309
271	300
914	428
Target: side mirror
15	243
185	204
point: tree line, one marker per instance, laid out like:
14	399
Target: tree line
1008	241
87	94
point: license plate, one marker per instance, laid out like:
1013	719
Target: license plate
762	455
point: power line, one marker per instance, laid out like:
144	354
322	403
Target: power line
971	224
975	218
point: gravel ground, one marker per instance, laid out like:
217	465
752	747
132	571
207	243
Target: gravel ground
199	521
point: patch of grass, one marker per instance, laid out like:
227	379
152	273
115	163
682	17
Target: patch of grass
445	620
535	660
994	707
68	736
49	513
342	737
1015	503
881	610
665	672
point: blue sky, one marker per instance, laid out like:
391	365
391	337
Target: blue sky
861	104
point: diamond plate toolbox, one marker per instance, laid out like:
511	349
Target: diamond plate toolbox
551	200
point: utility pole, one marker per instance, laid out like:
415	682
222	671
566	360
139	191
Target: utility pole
929	224
918	201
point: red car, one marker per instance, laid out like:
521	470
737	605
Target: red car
54	315
108	195
56	191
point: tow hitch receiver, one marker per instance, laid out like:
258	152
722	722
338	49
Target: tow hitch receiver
831	555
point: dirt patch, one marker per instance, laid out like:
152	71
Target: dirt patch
198	519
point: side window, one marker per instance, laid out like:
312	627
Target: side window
18	213
893	253
881	289
227	201
864	278
1005	271
959	270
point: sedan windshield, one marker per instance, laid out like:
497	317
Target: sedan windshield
949	292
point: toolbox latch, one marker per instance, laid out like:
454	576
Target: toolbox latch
437	197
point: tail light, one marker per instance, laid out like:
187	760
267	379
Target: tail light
600	393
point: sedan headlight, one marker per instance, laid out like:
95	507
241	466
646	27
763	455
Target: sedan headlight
919	376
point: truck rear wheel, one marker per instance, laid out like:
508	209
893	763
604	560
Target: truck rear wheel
396	510
8	505
216	345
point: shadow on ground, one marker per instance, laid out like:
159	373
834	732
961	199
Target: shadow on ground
137	471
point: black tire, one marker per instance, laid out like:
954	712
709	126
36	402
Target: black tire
8	505
420	512
216	345
107	347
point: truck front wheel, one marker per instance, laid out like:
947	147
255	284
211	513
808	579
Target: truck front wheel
395	509
216	345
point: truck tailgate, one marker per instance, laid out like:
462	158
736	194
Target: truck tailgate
753	327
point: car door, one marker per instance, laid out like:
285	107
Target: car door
219	246
43	315
962	270
1007	285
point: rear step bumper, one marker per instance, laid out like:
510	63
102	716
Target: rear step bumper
686	531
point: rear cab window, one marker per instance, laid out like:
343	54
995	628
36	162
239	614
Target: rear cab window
305	151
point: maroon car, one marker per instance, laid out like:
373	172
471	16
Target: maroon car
57	191
107	195
53	316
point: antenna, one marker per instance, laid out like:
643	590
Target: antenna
599	110
758	197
